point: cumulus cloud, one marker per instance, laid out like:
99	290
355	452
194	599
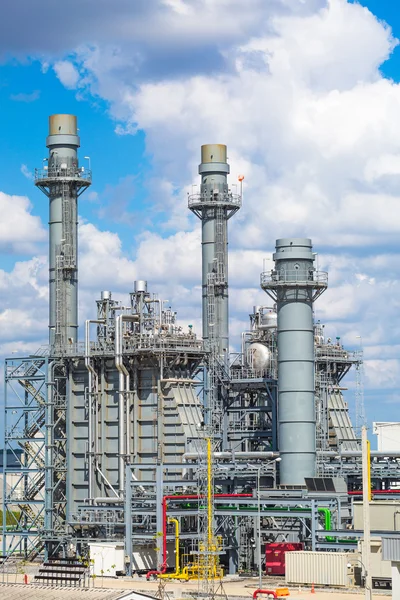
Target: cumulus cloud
24	298
19	229
297	121
66	73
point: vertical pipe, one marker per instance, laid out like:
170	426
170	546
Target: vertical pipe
123	398
369	470
177	561
128	519
160	513
314	524
92	399
121	381
128	416
259	527
366	554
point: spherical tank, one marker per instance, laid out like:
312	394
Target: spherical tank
269	320
258	356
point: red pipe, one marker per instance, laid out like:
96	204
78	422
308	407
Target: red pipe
359	492
164	513
269	592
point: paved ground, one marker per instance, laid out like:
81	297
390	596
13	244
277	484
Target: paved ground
111	589
33	592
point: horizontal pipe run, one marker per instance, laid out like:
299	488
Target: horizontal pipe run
232	455
329	453
108	501
357	453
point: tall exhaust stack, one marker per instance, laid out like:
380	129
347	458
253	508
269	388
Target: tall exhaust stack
294	285
215	205
63	181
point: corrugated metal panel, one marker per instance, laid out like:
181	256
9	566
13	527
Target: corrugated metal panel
320	568
391	549
340	423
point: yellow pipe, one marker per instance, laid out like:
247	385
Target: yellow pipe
177	565
369	470
178	574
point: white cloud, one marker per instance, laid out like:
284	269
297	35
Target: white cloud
26	172
19	229
67	73
24	303
298	124
179	6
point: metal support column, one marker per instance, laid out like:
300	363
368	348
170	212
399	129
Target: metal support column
128	519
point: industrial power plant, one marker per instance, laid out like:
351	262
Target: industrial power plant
134	438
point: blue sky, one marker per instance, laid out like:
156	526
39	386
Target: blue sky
305	94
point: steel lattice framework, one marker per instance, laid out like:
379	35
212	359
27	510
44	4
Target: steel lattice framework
25	410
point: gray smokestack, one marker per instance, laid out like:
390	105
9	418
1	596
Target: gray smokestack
294	285
214	206
63	181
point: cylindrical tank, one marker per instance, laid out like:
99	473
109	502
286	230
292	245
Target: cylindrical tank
269	320
140	286
105	295
258	356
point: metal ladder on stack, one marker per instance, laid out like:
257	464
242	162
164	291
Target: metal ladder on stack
59	298
220	246
65	264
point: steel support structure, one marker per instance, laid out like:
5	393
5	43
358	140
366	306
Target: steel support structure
25	429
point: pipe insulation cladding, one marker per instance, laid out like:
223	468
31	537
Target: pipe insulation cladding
294	285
